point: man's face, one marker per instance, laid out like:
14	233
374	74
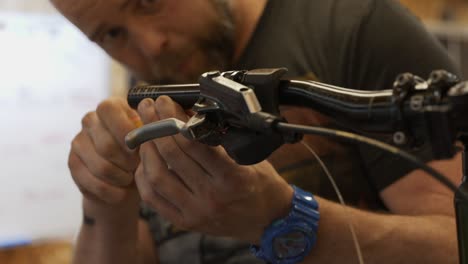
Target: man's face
160	41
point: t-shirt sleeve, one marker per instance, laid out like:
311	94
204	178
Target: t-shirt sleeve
387	42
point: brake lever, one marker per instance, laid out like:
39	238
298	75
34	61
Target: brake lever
159	129
196	128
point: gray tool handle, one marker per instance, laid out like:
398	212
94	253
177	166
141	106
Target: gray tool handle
163	128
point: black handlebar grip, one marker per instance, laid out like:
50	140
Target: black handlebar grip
186	95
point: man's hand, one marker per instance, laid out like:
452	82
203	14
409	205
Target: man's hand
100	163
103	169
200	188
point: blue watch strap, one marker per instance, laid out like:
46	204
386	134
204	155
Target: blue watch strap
290	239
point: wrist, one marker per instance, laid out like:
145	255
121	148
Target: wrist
289	239
127	208
278	205
283	202
109	227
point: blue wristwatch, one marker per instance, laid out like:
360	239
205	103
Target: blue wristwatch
290	239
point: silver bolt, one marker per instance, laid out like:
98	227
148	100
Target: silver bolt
416	102
399	138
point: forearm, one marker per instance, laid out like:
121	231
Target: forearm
383	238
108	235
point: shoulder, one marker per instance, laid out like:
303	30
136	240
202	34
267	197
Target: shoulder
348	18
325	14
344	14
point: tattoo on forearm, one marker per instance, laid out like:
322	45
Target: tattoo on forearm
88	220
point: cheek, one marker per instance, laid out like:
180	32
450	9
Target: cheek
199	60
190	18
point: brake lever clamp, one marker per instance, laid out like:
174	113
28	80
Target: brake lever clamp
229	113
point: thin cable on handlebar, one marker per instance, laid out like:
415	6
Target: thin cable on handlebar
354	138
340	198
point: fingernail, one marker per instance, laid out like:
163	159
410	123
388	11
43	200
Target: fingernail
146	110
163	100
161	103
146	103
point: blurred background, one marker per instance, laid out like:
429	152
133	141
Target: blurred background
448	20
51	75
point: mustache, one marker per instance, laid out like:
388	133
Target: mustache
164	69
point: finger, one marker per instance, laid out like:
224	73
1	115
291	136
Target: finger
83	147
147	111
213	159
191	173
161	179
91	186
119	119
106	145
151	197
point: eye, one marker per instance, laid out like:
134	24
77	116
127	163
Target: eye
114	36
148	5
148	2
115	32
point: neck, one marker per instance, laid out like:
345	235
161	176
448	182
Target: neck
247	14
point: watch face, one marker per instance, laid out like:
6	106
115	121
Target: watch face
289	245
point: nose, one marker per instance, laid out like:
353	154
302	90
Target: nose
150	42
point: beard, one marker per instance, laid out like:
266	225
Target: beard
212	51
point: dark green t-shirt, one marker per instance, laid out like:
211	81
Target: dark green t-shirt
360	44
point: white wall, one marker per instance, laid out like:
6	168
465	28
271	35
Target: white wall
50	76
119	78
27	5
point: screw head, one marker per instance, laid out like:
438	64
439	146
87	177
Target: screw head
399	138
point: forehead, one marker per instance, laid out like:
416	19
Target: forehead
71	7
85	13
